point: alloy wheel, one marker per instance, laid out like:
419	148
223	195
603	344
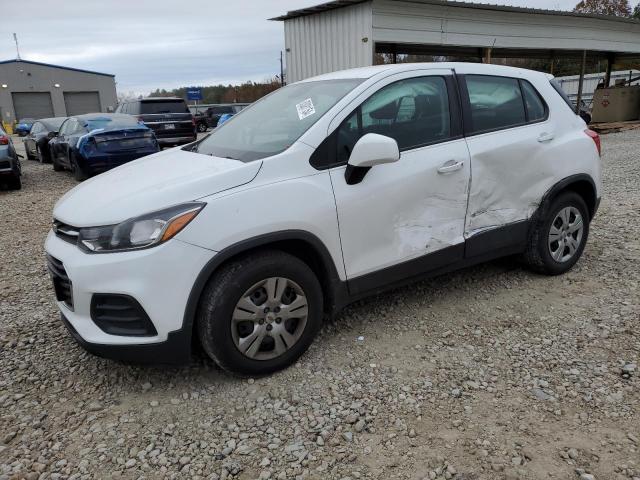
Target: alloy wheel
269	318
565	234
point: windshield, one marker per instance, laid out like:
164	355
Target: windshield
274	123
27	120
124	121
163	106
53	124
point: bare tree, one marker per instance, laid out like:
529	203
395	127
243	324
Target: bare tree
616	8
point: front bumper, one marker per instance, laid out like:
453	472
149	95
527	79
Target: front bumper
159	279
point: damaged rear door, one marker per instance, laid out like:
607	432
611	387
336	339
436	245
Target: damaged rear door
508	132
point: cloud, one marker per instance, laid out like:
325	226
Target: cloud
152	44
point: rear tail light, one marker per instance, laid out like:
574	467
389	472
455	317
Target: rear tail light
596	139
4	140
193	120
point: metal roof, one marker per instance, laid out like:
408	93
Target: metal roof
324	7
15	60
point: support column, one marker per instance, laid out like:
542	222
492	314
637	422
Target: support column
581	82
395	53
486	56
552	67
607	75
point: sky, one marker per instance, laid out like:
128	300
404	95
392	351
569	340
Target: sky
152	44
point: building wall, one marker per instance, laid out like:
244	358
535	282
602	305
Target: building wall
412	22
328	41
28	77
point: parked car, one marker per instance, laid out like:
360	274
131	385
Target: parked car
215	112
324	192
36	143
10	168
169	118
24	125
96	142
200	117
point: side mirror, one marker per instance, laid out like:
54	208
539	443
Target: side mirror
371	150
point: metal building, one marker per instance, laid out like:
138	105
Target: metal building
39	90
349	33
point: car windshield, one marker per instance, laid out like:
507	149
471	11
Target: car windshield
163	106
53	124
27	120
274	123
123	121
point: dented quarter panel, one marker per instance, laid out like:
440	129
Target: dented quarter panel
511	170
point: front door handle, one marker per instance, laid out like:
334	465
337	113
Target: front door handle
545	137
450	166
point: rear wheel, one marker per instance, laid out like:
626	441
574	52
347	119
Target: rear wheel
202	127
16	183
29	155
258	314
558	240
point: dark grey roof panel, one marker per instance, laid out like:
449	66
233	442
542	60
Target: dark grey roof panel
451	3
55	66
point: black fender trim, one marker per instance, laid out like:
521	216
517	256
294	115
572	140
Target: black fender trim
337	288
562	185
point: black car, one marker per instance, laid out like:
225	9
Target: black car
168	117
96	142
36	143
10	169
200	117
214	112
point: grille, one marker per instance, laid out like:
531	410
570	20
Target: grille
117	314
61	282
66	232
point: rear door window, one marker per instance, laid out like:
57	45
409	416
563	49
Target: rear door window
536	108
495	103
163	106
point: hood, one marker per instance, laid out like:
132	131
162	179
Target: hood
148	184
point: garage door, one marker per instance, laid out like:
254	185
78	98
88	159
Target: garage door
78	103
32	105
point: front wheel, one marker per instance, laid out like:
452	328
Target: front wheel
260	313
78	173
558	240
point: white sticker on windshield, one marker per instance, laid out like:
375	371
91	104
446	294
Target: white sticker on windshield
305	109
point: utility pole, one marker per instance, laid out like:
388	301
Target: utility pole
15	39
281	70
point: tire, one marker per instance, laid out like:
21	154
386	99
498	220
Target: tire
78	173
553	257
202	127
221	335
56	166
16	183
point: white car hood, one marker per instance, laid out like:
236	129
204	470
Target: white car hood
148	184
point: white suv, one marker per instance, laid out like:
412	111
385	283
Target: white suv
323	192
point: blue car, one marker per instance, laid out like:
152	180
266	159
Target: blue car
223	118
24	126
96	142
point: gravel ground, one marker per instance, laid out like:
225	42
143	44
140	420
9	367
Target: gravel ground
489	373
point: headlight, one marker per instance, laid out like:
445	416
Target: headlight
140	232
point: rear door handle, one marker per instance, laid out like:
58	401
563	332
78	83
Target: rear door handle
545	137
450	166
